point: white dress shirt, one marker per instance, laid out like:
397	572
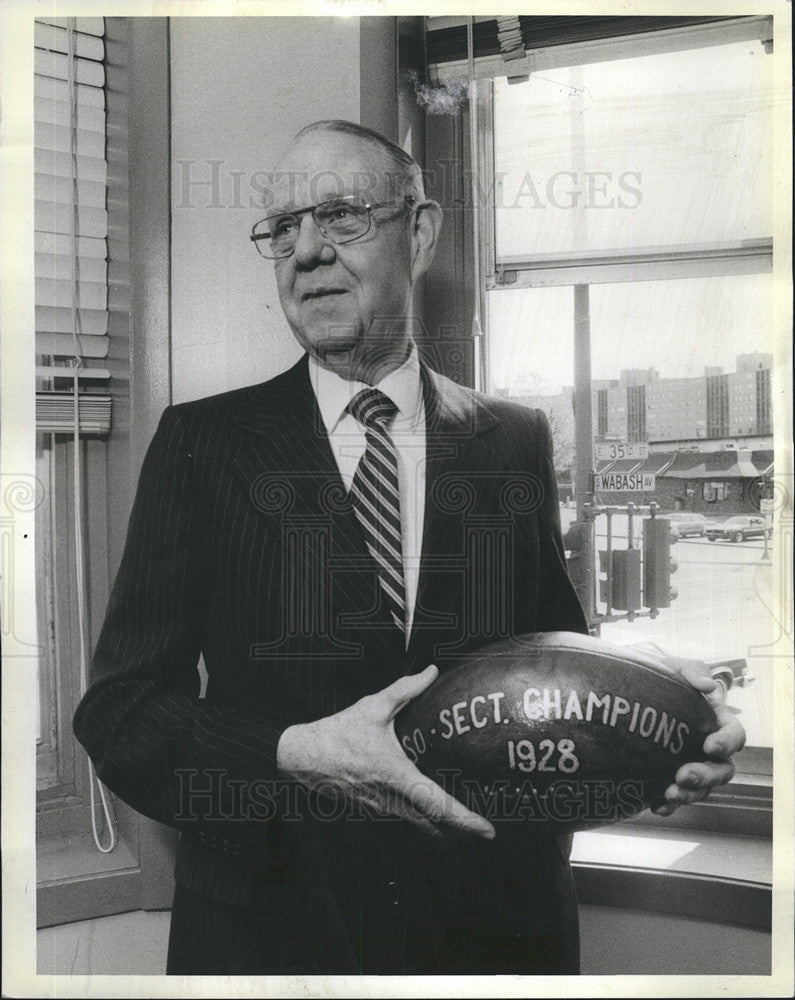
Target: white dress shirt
407	430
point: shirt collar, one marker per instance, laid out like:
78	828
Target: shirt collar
403	386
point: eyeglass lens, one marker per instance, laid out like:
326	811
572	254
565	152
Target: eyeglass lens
339	221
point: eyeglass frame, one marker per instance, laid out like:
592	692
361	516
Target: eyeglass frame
406	201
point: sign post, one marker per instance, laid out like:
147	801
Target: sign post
766	508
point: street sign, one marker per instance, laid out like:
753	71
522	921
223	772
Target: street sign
609	451
624	482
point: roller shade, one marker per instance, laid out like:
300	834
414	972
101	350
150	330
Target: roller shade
71	218
550	42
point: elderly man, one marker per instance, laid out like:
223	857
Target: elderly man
323	539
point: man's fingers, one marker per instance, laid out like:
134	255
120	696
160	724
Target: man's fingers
729	739
704	684
422	822
698	776
676	796
695	781
400	693
433	802
695	672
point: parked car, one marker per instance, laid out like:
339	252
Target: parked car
685	523
730	673
726	673
737	529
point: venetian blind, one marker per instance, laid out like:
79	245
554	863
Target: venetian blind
71	219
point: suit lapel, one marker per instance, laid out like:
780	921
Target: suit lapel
457	427
289	466
291	473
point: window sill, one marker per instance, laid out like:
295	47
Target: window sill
676	871
77	882
675	865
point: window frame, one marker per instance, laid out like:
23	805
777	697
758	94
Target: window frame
66	788
74	880
47	759
727	809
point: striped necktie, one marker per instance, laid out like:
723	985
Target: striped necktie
376	497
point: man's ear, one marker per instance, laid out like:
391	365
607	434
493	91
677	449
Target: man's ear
426	224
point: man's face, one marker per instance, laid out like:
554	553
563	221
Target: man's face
348	305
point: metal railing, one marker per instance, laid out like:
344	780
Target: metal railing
633	512
727	673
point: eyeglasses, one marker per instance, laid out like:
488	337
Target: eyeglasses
340	220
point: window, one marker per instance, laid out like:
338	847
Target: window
71	228
601	412
83	261
636	412
48	757
717	406
610	183
607	186
764	424
715	491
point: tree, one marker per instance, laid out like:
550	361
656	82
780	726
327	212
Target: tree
561	425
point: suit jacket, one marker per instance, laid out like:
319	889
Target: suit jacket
242	547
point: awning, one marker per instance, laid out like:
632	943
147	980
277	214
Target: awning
625	464
763	461
619	465
657	462
713	465
696	464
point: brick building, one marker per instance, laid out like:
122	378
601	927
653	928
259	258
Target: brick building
710	438
641	406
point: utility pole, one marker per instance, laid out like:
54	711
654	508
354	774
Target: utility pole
580	536
583	407
583	449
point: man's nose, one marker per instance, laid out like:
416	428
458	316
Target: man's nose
310	247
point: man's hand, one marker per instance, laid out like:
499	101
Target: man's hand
356	751
694	781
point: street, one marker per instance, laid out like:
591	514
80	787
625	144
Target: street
725	609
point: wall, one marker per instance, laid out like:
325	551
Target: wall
677	408
240	87
630	942
742	402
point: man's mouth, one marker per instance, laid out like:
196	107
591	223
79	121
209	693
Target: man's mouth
319	293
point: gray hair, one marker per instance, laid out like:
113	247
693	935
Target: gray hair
407	171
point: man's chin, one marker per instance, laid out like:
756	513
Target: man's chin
349	358
337	352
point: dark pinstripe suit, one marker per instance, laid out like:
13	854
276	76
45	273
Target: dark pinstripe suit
243	547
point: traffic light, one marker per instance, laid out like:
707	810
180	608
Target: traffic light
624	591
578	541
657	563
605	592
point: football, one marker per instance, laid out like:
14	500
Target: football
556	727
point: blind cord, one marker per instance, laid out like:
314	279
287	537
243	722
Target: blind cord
93	781
477	330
